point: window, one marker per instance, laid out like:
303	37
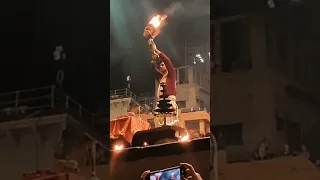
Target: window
193	126
183	79
181	104
231	134
202	104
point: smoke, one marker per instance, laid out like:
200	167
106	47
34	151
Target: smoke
173	8
193	8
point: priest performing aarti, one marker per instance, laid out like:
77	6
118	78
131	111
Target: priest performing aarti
164	71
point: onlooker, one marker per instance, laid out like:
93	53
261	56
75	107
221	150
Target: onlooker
94	176
304	151
263	152
287	151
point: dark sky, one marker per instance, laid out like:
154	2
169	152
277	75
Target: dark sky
30	30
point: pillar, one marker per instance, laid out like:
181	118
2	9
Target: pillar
217	45
263	123
202	128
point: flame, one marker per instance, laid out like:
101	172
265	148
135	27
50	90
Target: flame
118	147
185	138
156	20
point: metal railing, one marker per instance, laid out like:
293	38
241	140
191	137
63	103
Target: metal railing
48	97
126	93
122	93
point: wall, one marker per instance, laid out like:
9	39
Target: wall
248	98
230	97
19	150
119	107
205	97
187	92
293	168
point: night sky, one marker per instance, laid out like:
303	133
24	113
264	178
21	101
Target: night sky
30	30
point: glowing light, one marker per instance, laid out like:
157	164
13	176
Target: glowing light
145	144
198	56
118	147
128	78
156	20
185	138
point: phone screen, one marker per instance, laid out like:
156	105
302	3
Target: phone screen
166	174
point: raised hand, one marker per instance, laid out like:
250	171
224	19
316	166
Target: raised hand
152	45
191	174
145	174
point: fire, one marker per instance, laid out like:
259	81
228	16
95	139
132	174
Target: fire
156	20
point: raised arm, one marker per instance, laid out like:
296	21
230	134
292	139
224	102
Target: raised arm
168	63
157	73
163	57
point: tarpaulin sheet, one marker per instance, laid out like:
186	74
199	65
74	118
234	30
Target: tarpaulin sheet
126	126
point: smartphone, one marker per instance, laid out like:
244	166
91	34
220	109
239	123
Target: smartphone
173	173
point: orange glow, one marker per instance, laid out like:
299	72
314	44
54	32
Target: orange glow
184	138
156	20
118	147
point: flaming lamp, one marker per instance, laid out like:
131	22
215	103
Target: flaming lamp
152	28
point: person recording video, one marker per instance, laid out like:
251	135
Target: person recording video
190	174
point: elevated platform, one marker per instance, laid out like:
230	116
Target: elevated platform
122	100
25	104
39	125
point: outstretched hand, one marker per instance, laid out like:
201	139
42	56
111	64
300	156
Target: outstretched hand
191	174
152	45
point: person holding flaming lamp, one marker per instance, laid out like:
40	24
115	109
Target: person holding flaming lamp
164	71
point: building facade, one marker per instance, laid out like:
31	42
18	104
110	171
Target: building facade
264	84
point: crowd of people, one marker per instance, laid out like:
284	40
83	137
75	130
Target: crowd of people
264	152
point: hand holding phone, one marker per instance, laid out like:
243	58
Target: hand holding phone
190	173
183	172
173	173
